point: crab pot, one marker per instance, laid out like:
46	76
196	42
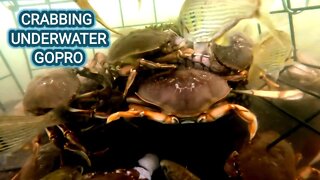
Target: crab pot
33	145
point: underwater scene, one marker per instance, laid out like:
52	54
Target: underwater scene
160	90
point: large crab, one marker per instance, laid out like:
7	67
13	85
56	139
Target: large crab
184	94
187	93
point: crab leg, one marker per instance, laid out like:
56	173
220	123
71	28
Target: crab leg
237	77
90	113
155	65
174	56
133	72
270	82
73	145
286	94
105	81
52	135
241	111
156	116
70	147
131	78
71	137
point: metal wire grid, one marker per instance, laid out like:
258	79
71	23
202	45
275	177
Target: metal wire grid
294	82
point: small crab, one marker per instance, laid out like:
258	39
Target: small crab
53	89
47	97
254	161
182	94
128	53
257	161
237	56
50	90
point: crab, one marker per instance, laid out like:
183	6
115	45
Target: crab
156	49
254	161
48	96
50	90
236	57
187	93
184	94
128	53
59	87
257	161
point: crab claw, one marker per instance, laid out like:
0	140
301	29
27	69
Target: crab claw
124	114
155	116
241	111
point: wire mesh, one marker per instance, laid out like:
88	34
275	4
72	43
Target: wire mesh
295	82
